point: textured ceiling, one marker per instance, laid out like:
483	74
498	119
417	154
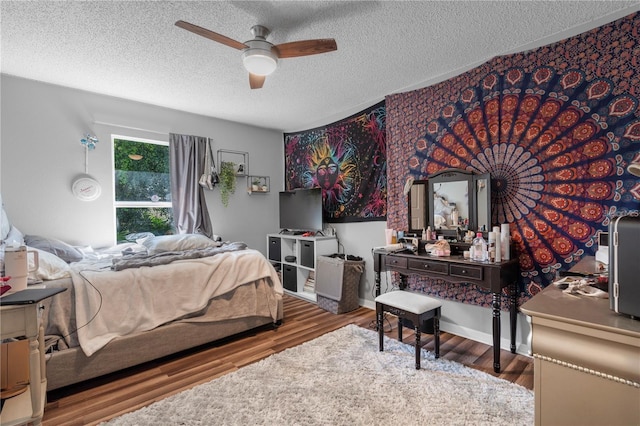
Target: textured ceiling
133	50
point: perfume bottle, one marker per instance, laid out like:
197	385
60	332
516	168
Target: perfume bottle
479	248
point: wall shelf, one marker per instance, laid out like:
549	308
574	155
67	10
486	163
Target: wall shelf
258	184
239	158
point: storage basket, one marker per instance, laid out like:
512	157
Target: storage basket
337	283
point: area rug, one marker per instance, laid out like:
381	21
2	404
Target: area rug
341	378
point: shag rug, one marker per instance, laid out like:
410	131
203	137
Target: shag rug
341	378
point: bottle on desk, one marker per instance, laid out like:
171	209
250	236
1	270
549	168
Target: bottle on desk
428	235
480	252
491	247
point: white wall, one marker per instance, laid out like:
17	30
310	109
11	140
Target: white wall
42	125
40	154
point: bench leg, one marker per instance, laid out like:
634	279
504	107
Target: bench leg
417	328
380	330
436	332
400	329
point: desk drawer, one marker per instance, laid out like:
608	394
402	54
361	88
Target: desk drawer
466	271
429	266
395	262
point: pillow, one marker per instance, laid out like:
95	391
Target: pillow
121	248
178	243
139	237
50	266
59	248
14	237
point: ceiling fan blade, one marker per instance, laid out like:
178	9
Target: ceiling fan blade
211	35
256	81
305	47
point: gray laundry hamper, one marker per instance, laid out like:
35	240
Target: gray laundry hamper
337	283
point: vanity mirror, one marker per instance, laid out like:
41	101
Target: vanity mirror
449	201
451	205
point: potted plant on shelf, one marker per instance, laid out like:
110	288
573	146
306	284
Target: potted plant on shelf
227	181
255	184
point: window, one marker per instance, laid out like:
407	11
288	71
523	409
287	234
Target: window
142	187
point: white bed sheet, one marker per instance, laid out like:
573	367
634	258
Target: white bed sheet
110	304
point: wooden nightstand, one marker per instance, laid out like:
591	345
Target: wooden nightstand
20	317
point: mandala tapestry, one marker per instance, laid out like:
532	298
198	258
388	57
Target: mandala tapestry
347	159
556	127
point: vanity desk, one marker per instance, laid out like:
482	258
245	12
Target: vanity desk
452	202
456	269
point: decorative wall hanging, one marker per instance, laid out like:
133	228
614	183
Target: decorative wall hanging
347	159
209	178
84	187
556	127
230	171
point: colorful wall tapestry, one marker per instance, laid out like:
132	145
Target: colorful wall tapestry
347	159
556	127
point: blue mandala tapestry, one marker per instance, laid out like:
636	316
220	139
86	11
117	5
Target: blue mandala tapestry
557	128
347	160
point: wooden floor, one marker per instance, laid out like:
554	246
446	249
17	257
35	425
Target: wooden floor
101	399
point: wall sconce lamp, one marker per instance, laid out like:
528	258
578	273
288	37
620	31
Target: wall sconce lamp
135	157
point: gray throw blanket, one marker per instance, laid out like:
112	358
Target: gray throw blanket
143	259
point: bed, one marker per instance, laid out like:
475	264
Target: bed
140	301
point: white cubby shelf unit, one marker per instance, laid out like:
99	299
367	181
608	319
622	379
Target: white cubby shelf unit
297	275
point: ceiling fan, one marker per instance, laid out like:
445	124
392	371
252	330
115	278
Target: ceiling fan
259	56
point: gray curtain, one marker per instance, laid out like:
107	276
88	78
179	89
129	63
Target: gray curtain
186	160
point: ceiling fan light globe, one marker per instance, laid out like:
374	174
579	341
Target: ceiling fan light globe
259	61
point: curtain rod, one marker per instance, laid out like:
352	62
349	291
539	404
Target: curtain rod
104	123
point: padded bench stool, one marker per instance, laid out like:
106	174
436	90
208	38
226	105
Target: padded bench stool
414	307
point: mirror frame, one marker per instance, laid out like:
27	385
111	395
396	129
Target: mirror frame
477	202
425	206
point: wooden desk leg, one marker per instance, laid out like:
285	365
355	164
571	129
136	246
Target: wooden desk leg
514	315
496	331
379	316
